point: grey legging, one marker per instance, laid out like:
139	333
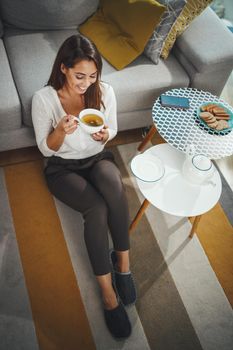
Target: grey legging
93	186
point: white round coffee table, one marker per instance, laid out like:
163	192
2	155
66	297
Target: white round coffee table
173	194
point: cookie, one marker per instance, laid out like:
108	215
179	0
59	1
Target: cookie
222	116
217	110
206	115
206	107
213	125
222	124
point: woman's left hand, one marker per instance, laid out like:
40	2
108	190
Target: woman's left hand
102	135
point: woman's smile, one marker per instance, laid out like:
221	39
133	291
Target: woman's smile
82	89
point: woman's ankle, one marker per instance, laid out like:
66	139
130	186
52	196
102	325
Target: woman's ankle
107	290
122	268
110	301
122	264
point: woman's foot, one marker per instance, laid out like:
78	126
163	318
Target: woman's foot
115	315
123	281
118	322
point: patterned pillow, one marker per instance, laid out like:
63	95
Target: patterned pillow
192	9
155	44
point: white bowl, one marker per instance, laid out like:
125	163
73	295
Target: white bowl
90	129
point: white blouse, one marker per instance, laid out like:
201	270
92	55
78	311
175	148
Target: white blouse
47	111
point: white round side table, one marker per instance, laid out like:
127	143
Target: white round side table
175	195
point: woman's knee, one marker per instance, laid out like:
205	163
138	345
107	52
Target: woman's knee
107	175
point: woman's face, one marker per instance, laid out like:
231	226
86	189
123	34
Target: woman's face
81	76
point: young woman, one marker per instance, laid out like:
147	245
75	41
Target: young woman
82	174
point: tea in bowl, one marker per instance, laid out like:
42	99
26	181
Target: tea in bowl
91	120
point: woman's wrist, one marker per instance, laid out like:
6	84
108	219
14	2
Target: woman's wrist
105	137
55	139
60	132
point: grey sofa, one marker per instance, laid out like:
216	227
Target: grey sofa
32	31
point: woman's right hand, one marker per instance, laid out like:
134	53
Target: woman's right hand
67	124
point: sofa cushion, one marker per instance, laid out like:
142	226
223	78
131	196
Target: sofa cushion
195	49
31	56
45	14
10	110
120	29
155	44
191	10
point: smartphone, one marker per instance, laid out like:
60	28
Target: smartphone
174	101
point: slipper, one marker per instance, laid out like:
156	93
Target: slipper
118	322
124	282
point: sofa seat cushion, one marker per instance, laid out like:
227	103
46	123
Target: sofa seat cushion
18	138
10	110
138	84
32	54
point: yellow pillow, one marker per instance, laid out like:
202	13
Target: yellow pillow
192	9
121	28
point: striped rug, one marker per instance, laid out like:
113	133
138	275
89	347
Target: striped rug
49	298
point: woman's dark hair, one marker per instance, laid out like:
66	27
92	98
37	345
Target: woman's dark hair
75	49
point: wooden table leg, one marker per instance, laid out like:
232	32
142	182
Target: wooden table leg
139	215
147	138
195	223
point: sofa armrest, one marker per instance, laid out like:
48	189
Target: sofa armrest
206	47
207	42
